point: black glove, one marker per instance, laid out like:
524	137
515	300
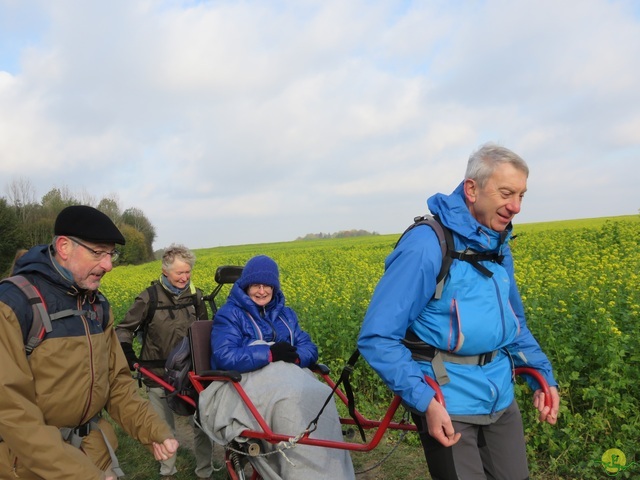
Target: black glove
283	351
127	348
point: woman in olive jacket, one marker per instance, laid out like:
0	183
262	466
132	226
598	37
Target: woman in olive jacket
163	313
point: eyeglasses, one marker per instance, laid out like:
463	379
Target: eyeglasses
257	286
98	254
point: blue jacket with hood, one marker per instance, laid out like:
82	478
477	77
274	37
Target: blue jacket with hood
243	332
476	314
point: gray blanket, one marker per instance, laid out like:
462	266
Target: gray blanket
288	397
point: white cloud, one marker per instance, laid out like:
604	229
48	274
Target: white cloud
258	121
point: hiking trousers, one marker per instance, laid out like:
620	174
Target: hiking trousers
484	452
202	444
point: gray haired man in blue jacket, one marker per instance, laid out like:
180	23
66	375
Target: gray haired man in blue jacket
474	333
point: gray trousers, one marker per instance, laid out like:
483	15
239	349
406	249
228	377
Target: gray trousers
203	445
484	452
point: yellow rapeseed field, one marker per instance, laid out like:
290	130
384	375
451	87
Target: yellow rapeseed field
581	292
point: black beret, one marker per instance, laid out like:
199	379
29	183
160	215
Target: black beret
87	223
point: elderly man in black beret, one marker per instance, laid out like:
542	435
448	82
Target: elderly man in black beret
55	384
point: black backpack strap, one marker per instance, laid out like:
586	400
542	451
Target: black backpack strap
475	258
154	305
449	254
422	351
41	324
141	331
198	301
445	240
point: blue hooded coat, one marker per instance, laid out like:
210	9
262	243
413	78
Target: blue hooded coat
242	333
475	315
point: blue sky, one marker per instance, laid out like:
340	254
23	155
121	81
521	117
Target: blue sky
260	121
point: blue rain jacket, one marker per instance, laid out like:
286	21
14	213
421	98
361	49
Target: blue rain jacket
475	315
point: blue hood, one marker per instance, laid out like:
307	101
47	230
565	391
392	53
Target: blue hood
39	260
455	215
270	311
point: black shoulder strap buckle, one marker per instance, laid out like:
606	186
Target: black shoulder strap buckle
475	258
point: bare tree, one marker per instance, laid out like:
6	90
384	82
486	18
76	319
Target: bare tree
22	195
85	198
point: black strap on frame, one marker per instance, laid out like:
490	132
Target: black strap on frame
344	379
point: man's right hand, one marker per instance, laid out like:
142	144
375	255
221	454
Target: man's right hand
439	423
127	348
165	450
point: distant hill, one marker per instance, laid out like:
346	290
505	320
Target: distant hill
341	234
522	227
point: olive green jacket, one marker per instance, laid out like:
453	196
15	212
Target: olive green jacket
171	320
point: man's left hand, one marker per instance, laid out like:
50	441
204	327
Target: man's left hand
549	415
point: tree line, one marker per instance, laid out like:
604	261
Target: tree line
340	234
26	222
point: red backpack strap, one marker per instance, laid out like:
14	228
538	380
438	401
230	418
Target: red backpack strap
41	323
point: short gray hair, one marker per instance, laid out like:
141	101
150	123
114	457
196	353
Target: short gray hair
180	252
485	159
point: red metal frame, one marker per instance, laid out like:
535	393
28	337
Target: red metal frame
537	376
265	432
268	435
160	381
